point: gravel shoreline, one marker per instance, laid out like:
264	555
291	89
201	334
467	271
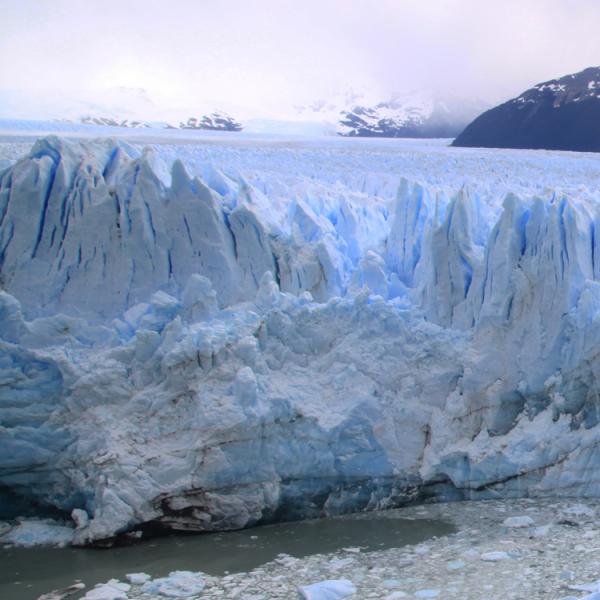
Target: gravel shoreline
509	549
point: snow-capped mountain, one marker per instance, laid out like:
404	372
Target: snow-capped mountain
407	115
111	106
560	114
351	113
116	107
216	121
111	122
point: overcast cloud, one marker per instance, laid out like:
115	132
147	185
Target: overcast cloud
257	52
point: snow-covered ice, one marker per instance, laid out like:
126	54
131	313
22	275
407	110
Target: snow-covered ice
112	590
332	589
520	521
427	593
494	556
178	584
36	532
211	336
138	578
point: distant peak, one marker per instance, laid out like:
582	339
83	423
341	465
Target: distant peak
558	114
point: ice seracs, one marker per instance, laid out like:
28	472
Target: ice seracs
202	350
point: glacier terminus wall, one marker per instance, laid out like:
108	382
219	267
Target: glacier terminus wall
210	337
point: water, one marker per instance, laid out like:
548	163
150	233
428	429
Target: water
25	573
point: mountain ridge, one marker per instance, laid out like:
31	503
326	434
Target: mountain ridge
412	114
349	114
558	114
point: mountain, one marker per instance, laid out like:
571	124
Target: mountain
560	114
116	107
431	118
352	113
111	106
112	122
415	114
216	121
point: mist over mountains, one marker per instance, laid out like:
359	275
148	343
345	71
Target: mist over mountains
353	113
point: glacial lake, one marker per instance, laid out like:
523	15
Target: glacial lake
26	573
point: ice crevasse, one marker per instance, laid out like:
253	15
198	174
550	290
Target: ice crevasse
203	354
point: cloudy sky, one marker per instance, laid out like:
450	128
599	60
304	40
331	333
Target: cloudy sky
257	52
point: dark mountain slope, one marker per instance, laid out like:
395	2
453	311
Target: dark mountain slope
561	114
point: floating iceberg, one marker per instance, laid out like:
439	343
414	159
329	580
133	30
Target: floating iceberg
211	352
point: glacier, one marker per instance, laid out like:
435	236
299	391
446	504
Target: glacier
208	337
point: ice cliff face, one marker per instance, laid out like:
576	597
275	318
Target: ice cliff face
212	353
95	218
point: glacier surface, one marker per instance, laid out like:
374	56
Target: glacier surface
207	337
